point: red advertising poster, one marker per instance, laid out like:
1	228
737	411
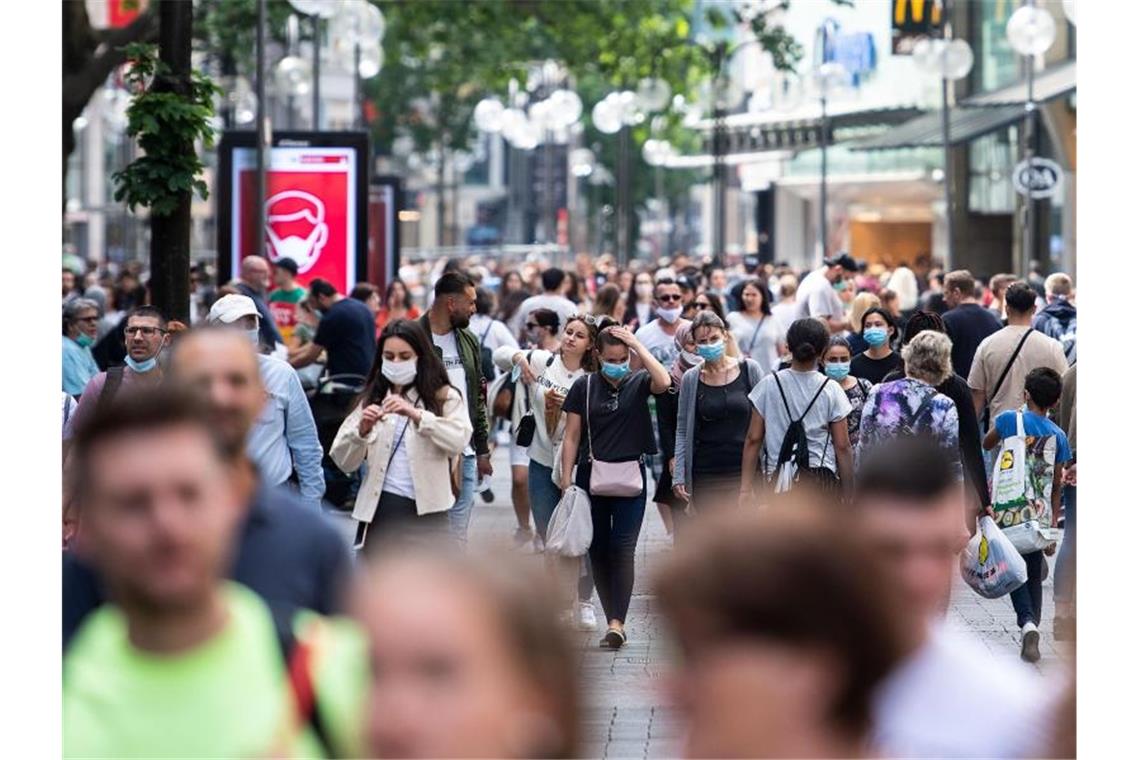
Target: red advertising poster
309	212
121	13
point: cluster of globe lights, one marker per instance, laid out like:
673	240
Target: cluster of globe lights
351	23
525	129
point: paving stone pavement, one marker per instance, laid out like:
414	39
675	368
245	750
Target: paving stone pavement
626	715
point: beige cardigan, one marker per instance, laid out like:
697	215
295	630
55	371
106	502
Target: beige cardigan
431	446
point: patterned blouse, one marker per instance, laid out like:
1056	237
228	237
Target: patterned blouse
909	407
857	394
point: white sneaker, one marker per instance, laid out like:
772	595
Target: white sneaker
587	620
1030	643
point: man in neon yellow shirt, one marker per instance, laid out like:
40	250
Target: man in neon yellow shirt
183	663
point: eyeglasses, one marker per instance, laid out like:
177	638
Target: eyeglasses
669	298
146	332
87	319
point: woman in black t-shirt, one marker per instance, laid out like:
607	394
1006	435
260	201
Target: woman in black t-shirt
607	420
879	330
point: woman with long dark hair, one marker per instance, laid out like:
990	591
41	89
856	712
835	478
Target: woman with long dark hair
546	375
639	309
408	424
757	333
397	305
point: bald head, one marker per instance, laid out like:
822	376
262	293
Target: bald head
223	365
255	273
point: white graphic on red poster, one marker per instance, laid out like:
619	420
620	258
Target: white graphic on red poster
306	219
295	226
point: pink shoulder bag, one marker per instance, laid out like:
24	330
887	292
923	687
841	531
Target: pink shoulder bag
611	478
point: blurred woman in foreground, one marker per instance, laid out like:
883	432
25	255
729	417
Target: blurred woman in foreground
468	658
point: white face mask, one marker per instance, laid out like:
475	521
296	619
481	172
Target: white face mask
399	373
303	250
669	315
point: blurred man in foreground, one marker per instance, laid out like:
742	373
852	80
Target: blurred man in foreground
286	552
181	662
952	697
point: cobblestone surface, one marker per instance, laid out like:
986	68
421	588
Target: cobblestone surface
626	714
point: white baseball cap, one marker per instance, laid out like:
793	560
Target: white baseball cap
230	308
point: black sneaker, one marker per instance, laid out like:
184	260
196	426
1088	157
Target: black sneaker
614	639
488	496
1030	643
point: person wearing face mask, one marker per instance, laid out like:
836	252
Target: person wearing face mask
818	294
607	420
879	331
666	412
408	424
283	442
546	375
147	336
837	366
80	325
658	336
712	419
756	331
639	310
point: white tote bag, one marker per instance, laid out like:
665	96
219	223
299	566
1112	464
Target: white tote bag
571	528
1022	490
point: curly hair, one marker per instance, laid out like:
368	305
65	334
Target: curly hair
927	357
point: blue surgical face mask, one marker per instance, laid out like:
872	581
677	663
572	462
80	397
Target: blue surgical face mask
143	366
254	336
839	285
837	371
875	336
615	371
84	340
711	352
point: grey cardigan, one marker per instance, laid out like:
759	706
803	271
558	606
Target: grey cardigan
686	416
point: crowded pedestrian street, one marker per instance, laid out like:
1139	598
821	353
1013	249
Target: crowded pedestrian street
578	379
627	713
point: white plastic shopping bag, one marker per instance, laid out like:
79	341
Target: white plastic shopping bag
1023	489
571	527
990	563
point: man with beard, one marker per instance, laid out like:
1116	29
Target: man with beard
286	551
446	322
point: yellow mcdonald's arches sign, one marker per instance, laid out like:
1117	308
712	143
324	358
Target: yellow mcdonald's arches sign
918	12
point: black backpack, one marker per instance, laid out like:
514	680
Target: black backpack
794	447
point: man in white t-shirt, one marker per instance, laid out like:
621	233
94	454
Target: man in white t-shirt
447	322
818	294
952	697
551	298
658	334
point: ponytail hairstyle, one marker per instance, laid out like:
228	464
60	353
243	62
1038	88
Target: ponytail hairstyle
807	339
590	358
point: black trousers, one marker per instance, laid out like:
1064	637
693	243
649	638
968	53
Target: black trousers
396	515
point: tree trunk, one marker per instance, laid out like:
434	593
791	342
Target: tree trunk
170	235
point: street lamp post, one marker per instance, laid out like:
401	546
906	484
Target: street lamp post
1030	31
951	60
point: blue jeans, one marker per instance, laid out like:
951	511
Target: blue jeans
544	497
1065	582
460	513
1026	598
617	523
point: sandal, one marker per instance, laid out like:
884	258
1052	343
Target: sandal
614	639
